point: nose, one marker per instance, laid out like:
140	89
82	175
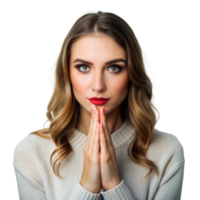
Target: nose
98	82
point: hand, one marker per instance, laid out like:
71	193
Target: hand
91	177
110	177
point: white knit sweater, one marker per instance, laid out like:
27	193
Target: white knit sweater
36	180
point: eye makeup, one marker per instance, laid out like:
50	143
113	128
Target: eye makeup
115	66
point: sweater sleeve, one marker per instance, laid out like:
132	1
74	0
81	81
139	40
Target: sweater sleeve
119	192
29	180
79	192
169	188
171	184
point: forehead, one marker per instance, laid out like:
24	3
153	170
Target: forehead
95	47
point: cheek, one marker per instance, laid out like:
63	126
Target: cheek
121	85
79	84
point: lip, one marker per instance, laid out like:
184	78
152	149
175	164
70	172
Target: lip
98	98
98	102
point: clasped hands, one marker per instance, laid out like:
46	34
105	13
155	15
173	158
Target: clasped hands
110	177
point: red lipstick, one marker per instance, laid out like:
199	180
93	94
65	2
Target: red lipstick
98	101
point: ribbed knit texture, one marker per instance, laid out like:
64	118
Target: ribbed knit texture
36	180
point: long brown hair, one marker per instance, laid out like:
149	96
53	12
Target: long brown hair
63	109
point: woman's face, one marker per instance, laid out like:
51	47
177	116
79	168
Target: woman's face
98	79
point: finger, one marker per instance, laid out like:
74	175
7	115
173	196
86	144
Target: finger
107	137
92	113
102	115
91	126
98	124
107	134
98	118
102	130
103	140
97	121
94	130
97	134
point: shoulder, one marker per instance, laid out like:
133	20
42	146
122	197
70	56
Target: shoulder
23	149
27	145
27	161
167	146
28	151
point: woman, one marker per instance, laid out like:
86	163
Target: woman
102	124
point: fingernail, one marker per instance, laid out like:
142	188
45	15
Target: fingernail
103	110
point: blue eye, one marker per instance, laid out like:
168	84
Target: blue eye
113	66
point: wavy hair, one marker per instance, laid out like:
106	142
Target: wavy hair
63	109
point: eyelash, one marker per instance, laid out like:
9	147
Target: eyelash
120	68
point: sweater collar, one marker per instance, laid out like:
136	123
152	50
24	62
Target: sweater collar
78	139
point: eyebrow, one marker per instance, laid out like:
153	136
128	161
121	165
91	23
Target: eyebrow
110	62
